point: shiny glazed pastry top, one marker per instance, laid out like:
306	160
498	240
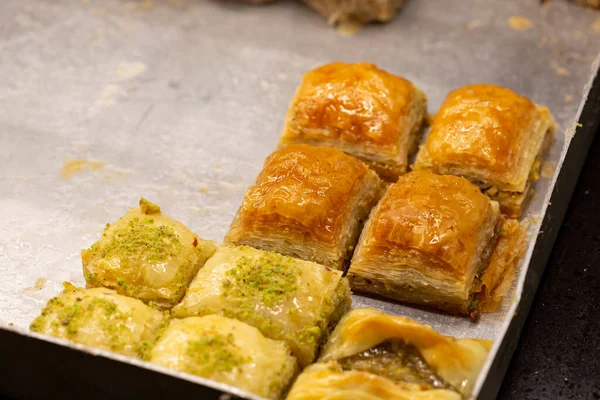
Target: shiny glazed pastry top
427	242
488	134
360	109
308	202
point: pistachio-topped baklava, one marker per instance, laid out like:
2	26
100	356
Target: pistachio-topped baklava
285	298
146	255
101	318
227	351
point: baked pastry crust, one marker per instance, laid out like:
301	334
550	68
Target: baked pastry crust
308	202
101	318
427	241
227	351
146	255
285	298
502	269
361	110
491	136
455	363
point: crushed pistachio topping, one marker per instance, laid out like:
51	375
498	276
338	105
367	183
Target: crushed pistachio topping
149	207
310	335
73	316
141	238
213	353
145	346
270	278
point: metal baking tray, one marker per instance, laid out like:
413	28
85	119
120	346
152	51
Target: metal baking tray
180	101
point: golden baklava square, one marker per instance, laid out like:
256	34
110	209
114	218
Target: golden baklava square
308	202
427	242
360	109
493	137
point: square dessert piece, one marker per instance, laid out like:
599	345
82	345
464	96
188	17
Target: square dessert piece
373	355
493	137
427	242
146	255
101	318
285	298
360	109
227	351
308	202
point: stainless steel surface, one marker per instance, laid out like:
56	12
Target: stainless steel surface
183	99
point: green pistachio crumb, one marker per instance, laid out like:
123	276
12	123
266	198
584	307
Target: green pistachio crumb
270	278
149	207
213	353
156	243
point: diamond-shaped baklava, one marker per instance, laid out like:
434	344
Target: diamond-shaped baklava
146	255
428	242
285	298
372	355
493	137
361	110
308	202
101	318
227	351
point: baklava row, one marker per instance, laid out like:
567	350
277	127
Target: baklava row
335	198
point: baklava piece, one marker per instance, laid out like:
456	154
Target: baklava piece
372	355
360	109
308	202
101	318
227	351
146	255
493	137
287	299
428	242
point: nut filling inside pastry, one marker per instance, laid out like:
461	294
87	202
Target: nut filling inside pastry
396	361
372	355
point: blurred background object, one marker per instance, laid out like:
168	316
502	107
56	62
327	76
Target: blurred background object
358	11
590	3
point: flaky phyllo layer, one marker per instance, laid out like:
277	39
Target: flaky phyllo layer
372	355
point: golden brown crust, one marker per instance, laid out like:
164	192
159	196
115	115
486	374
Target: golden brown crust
457	361
488	134
501	272
426	241
308	202
360	109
